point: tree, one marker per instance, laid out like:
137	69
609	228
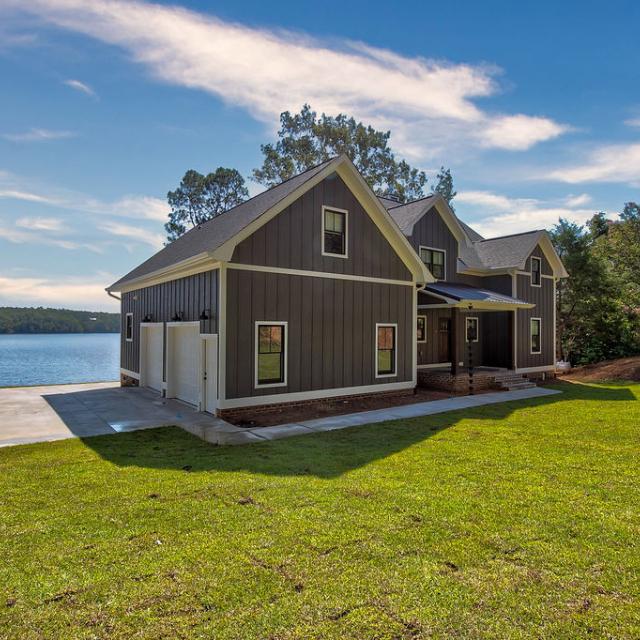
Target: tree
444	186
199	198
594	322
306	140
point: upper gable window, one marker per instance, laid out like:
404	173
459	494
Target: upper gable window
334	232
536	269
435	261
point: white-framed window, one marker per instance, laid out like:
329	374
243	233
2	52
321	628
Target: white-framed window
536	271
435	260
471	330
128	327
335	232
386	350
535	333
422	329
271	354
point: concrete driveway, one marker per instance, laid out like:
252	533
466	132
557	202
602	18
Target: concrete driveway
38	414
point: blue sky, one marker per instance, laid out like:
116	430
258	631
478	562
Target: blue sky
105	104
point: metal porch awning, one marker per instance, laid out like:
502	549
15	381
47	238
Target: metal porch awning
465	296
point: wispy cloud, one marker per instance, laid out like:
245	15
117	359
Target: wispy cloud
80	86
40	224
155	240
610	163
429	104
633	122
498	215
17	235
86	293
38	135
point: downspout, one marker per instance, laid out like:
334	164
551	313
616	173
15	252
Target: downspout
113	296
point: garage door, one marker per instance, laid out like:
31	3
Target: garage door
185	363
151	373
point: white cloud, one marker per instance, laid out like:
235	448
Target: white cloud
38	236
428	104
578	201
611	163
81	87
70	292
498	215
632	122
38	135
155	240
40	224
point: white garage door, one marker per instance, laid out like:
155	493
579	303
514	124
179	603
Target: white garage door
152	357
185	363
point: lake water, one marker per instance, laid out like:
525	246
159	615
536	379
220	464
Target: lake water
59	358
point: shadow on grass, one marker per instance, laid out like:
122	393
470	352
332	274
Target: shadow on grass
324	455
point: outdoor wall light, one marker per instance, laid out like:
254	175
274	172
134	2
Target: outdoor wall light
148	318
177	317
205	314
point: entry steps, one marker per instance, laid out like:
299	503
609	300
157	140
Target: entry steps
512	381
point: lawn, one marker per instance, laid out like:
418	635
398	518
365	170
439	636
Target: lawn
516	520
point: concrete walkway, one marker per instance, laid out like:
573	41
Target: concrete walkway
38	414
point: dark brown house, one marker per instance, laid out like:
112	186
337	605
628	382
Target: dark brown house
317	288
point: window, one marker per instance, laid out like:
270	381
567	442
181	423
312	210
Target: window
422	328
128	327
271	346
434	259
386	363
334	232
472	329
536	343
536	267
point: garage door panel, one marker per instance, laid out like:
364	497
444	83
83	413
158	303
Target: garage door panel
185	363
152	360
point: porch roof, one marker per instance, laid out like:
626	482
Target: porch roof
465	296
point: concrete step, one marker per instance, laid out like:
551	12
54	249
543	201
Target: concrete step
518	385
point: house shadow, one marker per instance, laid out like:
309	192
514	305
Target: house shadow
324	455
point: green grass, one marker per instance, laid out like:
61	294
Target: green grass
518	520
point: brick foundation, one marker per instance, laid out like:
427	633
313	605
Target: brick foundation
128	381
236	411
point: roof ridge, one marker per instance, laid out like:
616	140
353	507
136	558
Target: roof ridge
404	204
509	235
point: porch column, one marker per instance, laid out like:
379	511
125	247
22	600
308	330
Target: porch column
514	340
454	350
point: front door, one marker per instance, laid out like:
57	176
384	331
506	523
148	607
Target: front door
444	340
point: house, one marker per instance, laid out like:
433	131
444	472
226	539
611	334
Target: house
317	288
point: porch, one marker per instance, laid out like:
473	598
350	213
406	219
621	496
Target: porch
472	380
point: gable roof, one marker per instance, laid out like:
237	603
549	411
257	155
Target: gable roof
475	252
210	235
216	238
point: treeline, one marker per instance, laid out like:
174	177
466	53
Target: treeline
42	320
599	304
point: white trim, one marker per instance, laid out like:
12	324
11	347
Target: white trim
131	374
515	338
466	328
425	329
394	374
555	326
528	273
222	333
126	326
326	207
204	339
531	351
285	357
531	259
318	394
190	266
414	345
435	365
546	367
444	264
318	274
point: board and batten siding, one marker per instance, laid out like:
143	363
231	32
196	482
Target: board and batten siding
331	329
293	239
543	299
190	295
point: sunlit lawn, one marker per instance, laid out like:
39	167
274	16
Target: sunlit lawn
517	520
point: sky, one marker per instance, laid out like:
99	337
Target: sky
104	104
